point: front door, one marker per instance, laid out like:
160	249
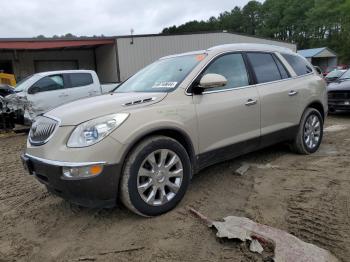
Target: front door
47	93
229	116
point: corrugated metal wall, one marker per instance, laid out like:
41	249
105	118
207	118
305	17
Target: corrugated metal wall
24	61
106	63
145	50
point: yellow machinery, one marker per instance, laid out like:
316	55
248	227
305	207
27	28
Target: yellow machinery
7	79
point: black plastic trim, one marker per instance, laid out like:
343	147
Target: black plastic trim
229	152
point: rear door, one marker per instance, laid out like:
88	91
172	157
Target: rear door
229	116
279	97
47	93
80	85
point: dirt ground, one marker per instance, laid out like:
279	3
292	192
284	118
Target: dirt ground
308	196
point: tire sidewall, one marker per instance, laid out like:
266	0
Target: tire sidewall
307	114
134	196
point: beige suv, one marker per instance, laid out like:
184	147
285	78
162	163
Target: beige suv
142	143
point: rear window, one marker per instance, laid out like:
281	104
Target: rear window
298	64
265	67
80	79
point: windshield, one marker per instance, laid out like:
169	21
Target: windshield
346	75
20	86
164	75
335	73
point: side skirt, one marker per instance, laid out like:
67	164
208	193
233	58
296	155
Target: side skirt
232	151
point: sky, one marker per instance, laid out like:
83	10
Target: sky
28	18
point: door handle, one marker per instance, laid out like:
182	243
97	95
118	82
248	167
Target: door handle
63	95
292	93
251	102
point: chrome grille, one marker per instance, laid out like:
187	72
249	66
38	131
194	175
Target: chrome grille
339	95
42	130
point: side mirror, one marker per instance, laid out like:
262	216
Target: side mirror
33	90
212	80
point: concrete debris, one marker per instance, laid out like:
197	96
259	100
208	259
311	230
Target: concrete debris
286	246
242	169
256	247
336	128
266	166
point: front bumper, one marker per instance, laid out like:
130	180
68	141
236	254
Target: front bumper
94	192
339	104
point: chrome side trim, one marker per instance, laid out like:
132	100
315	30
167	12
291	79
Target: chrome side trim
242	87
65	164
249	86
226	90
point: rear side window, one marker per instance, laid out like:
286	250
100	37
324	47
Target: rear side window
80	79
298	64
281	68
265	67
232	67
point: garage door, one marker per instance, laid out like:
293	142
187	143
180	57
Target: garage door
50	65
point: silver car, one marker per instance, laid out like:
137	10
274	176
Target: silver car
142	143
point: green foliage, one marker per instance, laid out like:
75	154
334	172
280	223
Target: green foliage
308	23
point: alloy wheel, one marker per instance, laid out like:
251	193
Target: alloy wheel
160	177
312	131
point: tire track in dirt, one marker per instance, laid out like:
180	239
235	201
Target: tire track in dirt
317	215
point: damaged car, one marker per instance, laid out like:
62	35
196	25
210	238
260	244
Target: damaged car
44	91
142	143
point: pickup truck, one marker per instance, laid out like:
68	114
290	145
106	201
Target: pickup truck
42	92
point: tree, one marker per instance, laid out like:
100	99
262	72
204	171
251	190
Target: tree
307	23
252	17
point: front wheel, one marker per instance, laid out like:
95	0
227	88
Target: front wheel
155	176
310	132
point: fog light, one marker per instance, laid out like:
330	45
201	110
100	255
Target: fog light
81	172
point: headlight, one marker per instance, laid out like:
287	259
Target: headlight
93	131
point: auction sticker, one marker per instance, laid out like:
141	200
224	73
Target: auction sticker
164	84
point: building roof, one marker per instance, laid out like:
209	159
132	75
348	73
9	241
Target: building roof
314	52
51	43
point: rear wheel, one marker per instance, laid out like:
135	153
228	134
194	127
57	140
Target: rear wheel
310	132
155	176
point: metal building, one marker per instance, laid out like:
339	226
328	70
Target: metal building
322	57
113	58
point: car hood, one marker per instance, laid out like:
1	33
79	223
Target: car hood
83	110
339	86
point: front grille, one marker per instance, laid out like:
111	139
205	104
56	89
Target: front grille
41	130
339	95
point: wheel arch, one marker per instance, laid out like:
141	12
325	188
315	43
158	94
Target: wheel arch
319	106
175	133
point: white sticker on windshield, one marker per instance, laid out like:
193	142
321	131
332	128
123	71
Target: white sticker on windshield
164	85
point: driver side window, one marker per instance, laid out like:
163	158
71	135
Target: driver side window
232	67
48	83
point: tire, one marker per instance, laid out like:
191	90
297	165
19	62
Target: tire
150	188
302	145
